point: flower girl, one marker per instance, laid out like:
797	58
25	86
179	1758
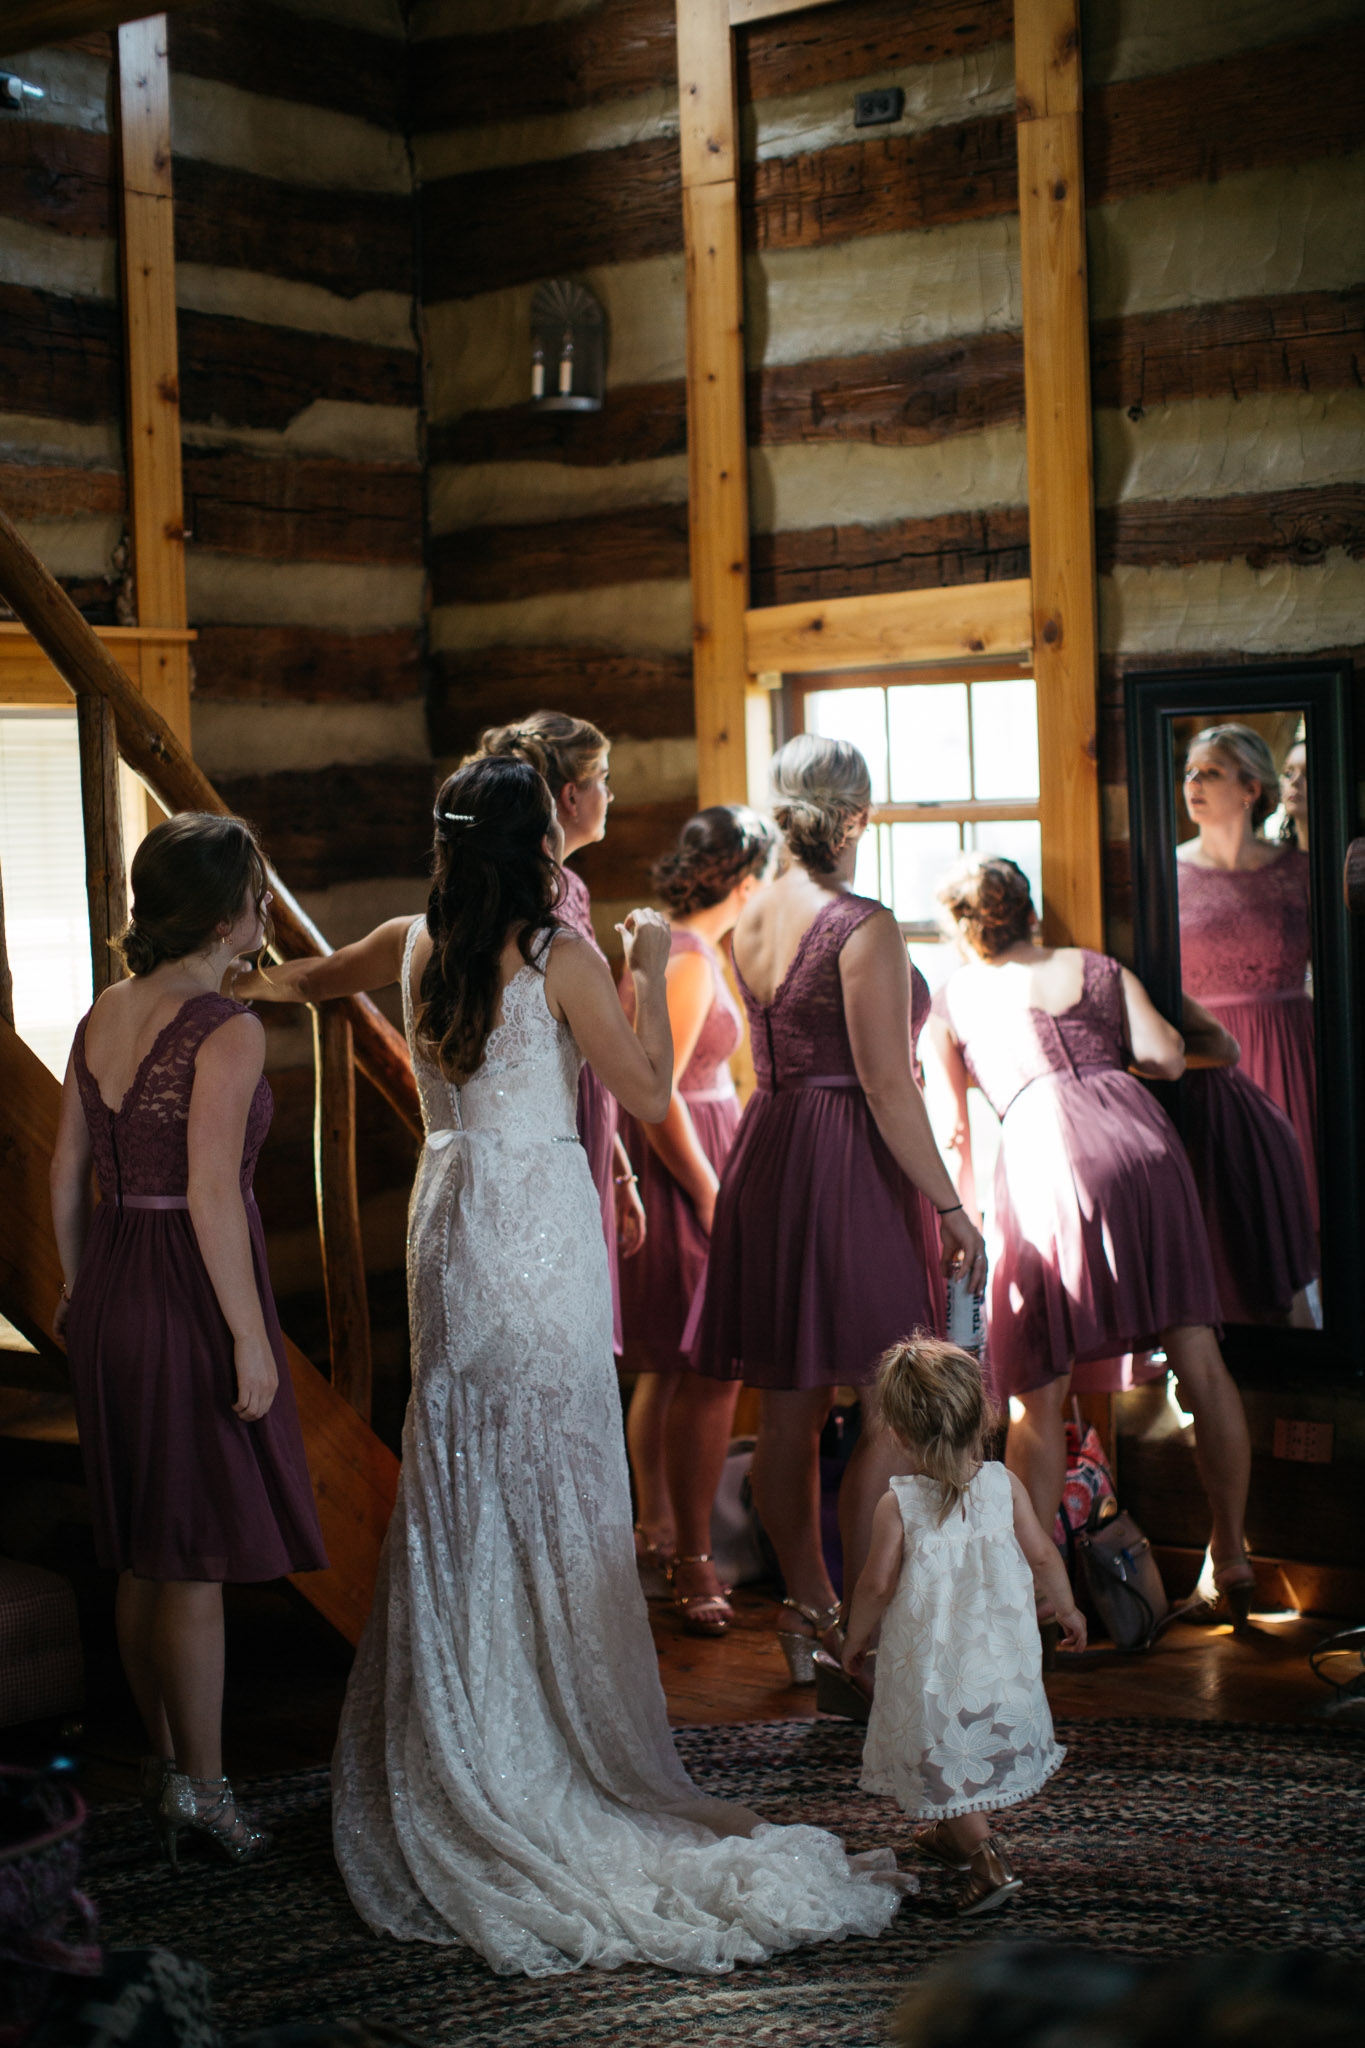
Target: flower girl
960	1724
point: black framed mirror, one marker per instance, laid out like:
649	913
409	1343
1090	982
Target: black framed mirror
1244	911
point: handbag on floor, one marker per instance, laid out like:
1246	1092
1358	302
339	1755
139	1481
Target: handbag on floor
1121	1578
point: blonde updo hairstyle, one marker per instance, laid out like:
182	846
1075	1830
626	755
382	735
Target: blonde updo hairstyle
191	873
1241	748
987	898
559	747
821	788
930	1396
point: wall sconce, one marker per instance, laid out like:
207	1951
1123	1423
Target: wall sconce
15	90
568	348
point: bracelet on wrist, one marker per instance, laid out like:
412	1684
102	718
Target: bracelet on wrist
627	1180
950	1212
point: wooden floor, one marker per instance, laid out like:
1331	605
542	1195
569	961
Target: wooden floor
287	1673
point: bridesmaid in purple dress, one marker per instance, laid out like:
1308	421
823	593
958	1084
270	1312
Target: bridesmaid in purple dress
572	755
823	1252
678	1427
189	1434
1098	1246
1245	928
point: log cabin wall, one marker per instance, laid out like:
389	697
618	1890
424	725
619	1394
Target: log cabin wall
300	373
300	390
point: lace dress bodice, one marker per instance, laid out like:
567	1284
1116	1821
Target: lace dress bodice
803	1030
1007	1046
519	1094
141	1148
1244	931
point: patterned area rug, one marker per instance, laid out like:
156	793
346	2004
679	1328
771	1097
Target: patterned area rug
1157	1838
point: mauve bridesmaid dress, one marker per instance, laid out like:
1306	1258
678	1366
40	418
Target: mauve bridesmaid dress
823	1252
659	1284
598	1110
180	1487
1097	1243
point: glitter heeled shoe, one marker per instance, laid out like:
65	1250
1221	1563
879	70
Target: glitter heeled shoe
990	1879
799	1648
206	1806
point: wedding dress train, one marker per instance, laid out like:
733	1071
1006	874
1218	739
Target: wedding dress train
504	1773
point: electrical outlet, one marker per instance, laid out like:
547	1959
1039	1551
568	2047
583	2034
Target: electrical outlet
874	109
1308	1443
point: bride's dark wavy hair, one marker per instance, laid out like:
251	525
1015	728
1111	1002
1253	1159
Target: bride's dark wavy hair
492	876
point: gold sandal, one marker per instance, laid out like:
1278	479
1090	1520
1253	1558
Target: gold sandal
799	1648
703	1614
938	1846
990	1881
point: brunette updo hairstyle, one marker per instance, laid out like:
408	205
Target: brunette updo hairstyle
930	1396
561	748
820	787
492	873
987	897
1247	754
715	851
190	874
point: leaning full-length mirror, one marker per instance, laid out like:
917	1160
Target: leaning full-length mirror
1242	807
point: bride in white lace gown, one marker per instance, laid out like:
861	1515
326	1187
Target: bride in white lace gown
504	1774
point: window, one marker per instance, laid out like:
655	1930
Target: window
42	873
954	765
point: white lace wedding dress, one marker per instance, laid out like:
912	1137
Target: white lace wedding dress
504	1774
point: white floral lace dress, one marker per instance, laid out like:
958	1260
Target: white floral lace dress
960	1722
504	1773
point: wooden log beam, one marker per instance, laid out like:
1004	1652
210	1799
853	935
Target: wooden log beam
483	564
990	619
347	242
810	565
860	38
306	665
641	697
1060	467
343	1250
346	822
106	879
278	51
285	508
28	24
152	751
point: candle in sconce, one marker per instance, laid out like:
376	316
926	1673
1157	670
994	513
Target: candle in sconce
538	371
566	364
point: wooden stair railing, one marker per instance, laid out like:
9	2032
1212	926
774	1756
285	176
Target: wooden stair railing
354	1474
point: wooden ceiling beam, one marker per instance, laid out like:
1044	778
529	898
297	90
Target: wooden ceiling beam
30	24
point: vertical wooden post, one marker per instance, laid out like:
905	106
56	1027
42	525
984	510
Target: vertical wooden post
155	486
6	978
717	456
106	885
1061	490
343	1253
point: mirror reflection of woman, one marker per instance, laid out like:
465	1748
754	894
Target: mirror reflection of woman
1098	1249
1245	925
1293	815
678	1426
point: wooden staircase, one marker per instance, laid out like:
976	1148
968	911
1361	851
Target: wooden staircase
354	1475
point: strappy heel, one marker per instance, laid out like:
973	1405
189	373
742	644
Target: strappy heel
799	1648
654	1564
206	1806
1217	1598
703	1614
990	1879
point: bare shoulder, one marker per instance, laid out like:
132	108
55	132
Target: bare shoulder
237	1044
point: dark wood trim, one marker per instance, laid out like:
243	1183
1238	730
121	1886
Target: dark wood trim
810	563
291	509
342	823
248	374
305	665
347	242
319	63
1323	691
59	178
792	53
627	696
1276	526
487	564
1294	341
61	358
34	493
